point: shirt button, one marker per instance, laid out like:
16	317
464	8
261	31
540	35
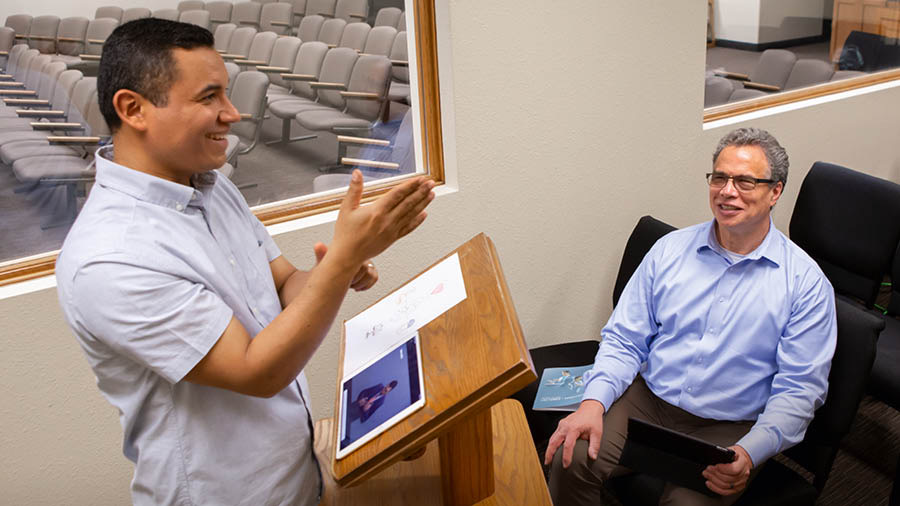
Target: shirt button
722	299
689	389
699	360
179	207
231	261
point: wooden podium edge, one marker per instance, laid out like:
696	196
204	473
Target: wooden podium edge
514	379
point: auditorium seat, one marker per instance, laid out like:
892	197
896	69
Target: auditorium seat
399	90
808	72
246	13
331	31
351	10
70	36
248	94
190	5
195	17
717	91
21	23
388	16
380	40
76	108
309	27
7	41
98	31
320	8
770	73
219	13
109	11
260	52
282	62
240	42
43	34
170	14
298	9
275	17
135	13
222	36
355	35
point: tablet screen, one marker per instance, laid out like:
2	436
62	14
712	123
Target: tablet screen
380	394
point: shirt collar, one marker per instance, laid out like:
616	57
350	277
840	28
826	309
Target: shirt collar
767	249
151	189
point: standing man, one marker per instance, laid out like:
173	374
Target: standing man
196	326
732	328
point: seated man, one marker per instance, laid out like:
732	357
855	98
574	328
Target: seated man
732	328
196	326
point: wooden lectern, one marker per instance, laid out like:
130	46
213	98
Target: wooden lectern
473	356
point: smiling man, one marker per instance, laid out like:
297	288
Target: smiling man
195	325
732	329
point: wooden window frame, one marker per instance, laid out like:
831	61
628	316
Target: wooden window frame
432	151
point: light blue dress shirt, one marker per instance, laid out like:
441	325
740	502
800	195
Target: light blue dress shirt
750	340
149	276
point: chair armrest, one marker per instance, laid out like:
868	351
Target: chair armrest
760	86
298	77
89	57
40	113
274	70
49	125
328	86
219	20
6	76
21	36
332	46
326	14
400	63
37	102
361	95
241	61
245	115
11	84
732	75
358	16
17	93
66	139
230	56
41	37
4	53
69	39
97	41
370	163
248	22
368	141
279	23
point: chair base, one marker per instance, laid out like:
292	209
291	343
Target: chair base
286	135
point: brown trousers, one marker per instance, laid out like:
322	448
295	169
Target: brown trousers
580	484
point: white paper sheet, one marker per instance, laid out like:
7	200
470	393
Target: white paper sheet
403	312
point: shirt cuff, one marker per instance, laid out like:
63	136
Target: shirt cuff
758	445
599	391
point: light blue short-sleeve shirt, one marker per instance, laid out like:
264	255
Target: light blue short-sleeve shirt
149	277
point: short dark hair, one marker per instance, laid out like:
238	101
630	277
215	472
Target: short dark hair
393	384
137	56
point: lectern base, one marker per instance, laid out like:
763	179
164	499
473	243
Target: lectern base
518	477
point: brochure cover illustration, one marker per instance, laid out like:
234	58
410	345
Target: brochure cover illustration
561	388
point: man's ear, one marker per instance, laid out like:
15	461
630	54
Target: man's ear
131	108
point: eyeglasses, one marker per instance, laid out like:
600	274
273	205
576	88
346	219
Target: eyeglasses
718	180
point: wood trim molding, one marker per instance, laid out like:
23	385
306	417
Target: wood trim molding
432	142
788	97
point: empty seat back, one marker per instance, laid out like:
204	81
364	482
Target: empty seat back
332	31
62	92
351	10
774	67
170	14
400	53
195	17
97	33
15	54
371	74
401	23
388	16
355	35
219	12
309	27
309	61
283	55
109	11
35	72
21	23
298	9
222	36
336	68
320	8
246	13
807	72
717	91
23	65
248	94
241	40
70	35
276	17
380	40
135	13
51	77
261	48
43	34
80	101
190	5
7	38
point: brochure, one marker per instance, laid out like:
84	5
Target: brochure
561	388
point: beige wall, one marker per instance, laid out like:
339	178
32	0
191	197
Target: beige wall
568	129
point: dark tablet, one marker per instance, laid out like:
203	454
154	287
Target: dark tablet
671	455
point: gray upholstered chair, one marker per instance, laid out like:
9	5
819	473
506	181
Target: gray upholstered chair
246	13
190	5
351	10
170	14
88	62
276	17
284	53
741	94
248	94
70	36
239	43
388	16
380	40
808	72
769	74
399	91
135	13
7	41
717	91
196	17
355	35
309	27
331	31
43	34
109	11
320	7
260	52
222	36
21	23
219	13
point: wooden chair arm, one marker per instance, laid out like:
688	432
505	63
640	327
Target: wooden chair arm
89	57
361	95
298	77
358	16
348	139
97	41
248	22
39	113
370	163
400	63
760	86
328	86
241	61
69	39
11	84
41	37
66	139
49	125
280	23
230	56
269	69
732	75
17	93
219	20
37	102
4	53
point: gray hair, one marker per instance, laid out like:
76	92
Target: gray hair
775	154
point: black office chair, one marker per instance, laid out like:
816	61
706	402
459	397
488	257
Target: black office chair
776	483
542	423
884	382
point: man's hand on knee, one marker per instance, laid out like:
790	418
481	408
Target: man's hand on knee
585	423
728	479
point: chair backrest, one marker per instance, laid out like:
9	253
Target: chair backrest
401	23
62	92
109	11
135	13
351	10
309	27
857	336
43	34
248	94
15	54
23	65
80	101
336	68
196	17
717	91
309	61
219	12
283	55
261	48
807	72
276	17
399	52
232	69
388	16
7	38
645	234
355	35
860	51
48	81
98	30
96	123
35	72
380	40
849	222
320	8
774	67
371	74
246	13
222	36
331	32
241	40
21	23
70	35
190	5
170	14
